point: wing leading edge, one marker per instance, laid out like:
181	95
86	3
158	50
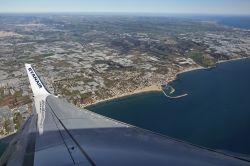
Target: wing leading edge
67	135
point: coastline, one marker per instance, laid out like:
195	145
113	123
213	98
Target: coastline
189	70
196	109
201	67
157	88
234	59
152	88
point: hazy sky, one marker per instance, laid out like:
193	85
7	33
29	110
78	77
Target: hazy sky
241	7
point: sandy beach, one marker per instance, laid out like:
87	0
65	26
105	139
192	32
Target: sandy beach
157	88
190	69
152	88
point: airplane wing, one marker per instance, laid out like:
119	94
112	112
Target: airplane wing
58	133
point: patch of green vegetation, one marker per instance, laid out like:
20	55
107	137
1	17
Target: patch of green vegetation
47	55
18	120
26	99
75	92
196	56
65	92
18	96
1	94
85	95
208	61
7	126
1	91
202	59
61	63
108	82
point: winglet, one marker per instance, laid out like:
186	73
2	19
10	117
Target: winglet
37	86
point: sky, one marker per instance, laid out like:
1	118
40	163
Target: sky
224	7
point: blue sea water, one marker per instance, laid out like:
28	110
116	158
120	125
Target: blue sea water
215	114
235	21
231	21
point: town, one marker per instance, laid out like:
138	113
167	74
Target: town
90	58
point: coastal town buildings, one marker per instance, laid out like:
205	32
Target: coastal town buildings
87	59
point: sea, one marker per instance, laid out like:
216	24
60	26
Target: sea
235	21
242	22
215	114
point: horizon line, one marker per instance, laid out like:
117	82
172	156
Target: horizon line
127	13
